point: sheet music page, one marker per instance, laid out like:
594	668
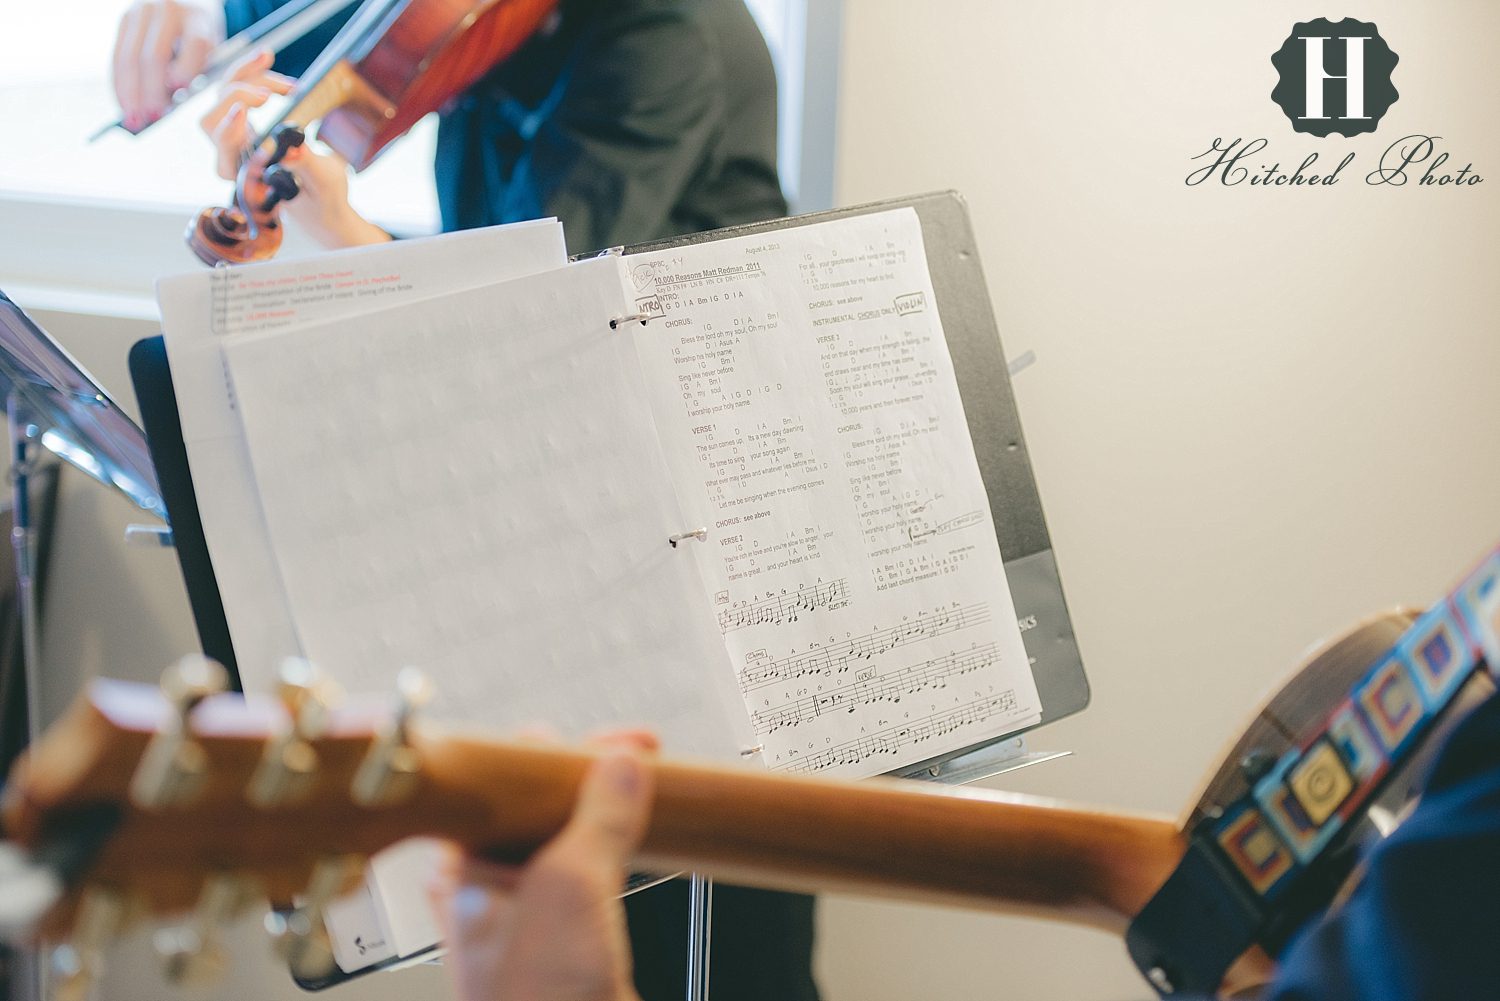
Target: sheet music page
807	406
472	485
201	309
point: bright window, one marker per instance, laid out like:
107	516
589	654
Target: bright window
89	228
54	92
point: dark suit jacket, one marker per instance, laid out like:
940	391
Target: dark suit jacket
629	120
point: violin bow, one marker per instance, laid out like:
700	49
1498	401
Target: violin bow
273	32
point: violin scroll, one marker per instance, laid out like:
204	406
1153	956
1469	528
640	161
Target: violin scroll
250	228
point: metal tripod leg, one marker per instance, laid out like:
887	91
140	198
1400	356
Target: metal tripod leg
700	927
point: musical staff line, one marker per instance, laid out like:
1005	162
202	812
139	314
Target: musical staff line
888	742
933	673
787	607
837	658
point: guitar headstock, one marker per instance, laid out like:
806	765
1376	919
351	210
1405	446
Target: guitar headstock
186	800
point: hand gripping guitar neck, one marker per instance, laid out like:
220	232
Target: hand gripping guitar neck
199	798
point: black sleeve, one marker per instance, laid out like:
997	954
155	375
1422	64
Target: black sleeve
645	97
296	57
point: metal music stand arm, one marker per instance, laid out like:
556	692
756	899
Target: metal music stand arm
24	970
24	443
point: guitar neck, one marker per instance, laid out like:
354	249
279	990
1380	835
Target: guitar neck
885	837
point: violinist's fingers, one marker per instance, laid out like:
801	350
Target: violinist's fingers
240	95
192	56
250	66
127	79
230	137
159	46
161	33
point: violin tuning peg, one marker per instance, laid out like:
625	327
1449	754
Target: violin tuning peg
290	763
388	773
287	138
282	186
173	765
193	953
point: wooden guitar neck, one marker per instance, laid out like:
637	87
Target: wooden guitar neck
883	837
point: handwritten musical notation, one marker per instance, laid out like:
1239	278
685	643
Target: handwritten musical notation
839	658
841	459
788	606
889	742
931	674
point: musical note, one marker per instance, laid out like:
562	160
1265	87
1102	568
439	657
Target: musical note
838	658
888	742
931	674
788	606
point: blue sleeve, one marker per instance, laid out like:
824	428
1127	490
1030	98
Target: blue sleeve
1425	921
296	57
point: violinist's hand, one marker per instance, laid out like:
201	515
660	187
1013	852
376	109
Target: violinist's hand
160	46
553	929
322	207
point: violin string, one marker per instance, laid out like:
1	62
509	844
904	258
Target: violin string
368	18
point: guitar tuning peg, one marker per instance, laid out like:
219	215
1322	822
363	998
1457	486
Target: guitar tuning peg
193	953
388	773
300	936
290	763
308	695
77	965
303	944
172	767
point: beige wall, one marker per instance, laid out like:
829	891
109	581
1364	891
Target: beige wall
1255	414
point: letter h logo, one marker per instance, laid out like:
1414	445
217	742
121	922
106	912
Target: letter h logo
1334	77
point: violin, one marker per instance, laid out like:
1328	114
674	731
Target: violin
392	63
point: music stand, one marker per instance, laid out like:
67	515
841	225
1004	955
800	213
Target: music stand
983	380
52	404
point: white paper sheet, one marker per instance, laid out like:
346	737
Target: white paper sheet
807	406
200	309
472	485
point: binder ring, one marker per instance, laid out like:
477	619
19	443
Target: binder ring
615	323
701	534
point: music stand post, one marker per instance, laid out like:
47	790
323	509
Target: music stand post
700	935
53	405
24	441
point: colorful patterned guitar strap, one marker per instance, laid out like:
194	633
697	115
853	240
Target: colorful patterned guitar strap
1257	870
